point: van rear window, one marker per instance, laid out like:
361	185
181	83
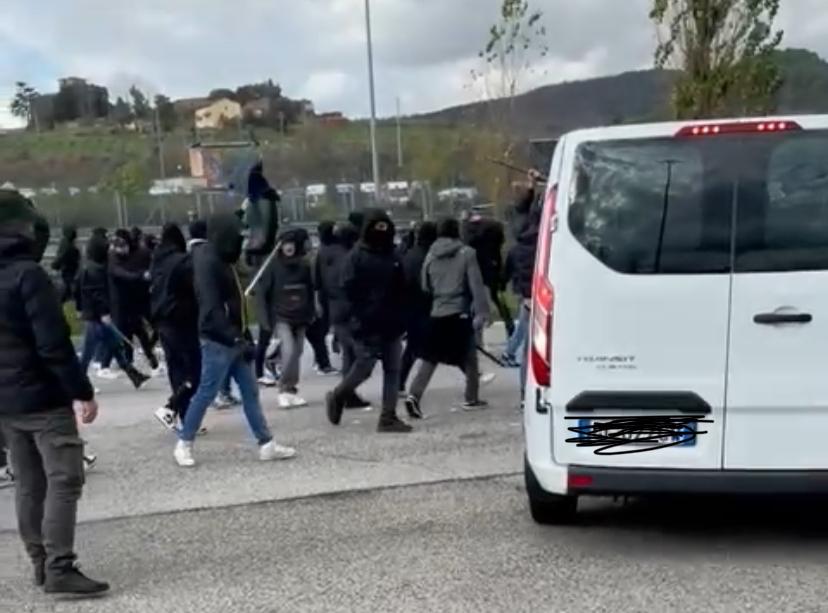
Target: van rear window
666	206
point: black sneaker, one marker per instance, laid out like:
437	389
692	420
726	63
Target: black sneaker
137	378
334	409
356	403
412	405
476	405
39	573
74	583
393	425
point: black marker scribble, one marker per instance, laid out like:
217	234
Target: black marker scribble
643	433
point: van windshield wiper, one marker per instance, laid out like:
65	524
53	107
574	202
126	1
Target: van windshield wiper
664	211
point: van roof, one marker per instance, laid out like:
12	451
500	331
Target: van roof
666	128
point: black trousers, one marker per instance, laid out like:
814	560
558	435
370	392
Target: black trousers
183	352
503	310
47	461
317	334
261	350
366	354
132	327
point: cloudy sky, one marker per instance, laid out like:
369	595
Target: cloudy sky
425	49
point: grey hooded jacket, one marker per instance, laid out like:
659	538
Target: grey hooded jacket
451	276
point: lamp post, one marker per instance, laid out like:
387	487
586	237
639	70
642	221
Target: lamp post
374	153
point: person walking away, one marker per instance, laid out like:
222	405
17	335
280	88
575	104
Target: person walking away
418	303
520	266
290	291
172	310
459	310
226	343
330	264
487	238
41	382
94	301
318	330
373	281
67	262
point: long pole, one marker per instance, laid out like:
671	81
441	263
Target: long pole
159	140
399	137
374	153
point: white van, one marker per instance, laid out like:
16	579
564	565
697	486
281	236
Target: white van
679	331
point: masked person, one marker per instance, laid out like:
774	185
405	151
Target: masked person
67	262
94	300
459	310
289	290
418	303
129	289
317	332
172	309
329	264
373	281
226	343
487	238
41	381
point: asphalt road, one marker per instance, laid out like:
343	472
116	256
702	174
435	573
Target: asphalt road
434	521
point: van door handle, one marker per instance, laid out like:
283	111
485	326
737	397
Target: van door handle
770	319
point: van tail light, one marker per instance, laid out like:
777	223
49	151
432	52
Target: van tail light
737	127
543	296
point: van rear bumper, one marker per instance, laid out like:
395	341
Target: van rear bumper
589	480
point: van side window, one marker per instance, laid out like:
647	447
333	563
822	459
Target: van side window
643	207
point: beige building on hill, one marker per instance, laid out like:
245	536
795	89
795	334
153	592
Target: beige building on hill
218	114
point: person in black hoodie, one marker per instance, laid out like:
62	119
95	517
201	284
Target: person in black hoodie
41	382
67	262
329	263
94	300
418	303
173	303
374	286
226	342
318	330
487	238
288	287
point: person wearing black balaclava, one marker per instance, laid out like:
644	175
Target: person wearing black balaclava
67	262
172	308
373	281
41	382
128	285
318	330
226	343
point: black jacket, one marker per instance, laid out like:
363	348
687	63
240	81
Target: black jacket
221	317
172	293
127	288
524	214
520	263
487	238
93	284
39	370
373	282
417	301
67	260
289	290
330	264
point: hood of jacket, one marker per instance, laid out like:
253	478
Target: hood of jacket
347	235
224	232
97	250
378	232
24	233
70	233
446	247
326	233
173	237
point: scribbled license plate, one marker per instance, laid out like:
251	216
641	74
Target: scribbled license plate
677	435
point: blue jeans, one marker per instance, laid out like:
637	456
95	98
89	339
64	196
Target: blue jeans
518	340
219	362
97	337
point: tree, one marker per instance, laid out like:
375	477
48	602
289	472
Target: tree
516	44
218	94
140	104
165	110
725	52
121	112
23	104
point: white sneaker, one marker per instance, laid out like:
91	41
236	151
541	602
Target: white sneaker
285	401
487	377
166	416
6	478
267	380
272	451
297	401
107	374
184	454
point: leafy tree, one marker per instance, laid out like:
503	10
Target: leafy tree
725	52
218	94
140	104
257	91
167	117
121	112
22	105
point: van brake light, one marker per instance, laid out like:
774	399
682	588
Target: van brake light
737	127
543	296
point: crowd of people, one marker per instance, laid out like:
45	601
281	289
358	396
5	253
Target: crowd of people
427	299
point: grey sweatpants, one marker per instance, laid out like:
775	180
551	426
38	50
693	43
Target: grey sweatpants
292	339
47	461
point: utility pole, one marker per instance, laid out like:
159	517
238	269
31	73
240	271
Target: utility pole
399	137
159	142
374	153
